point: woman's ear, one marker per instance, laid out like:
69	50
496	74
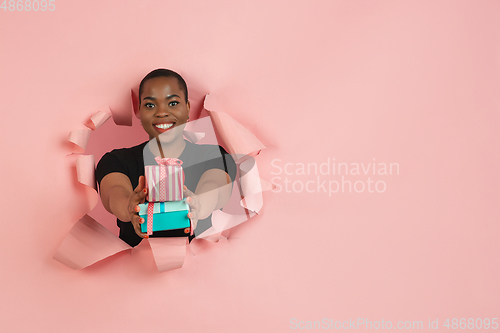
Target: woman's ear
188	106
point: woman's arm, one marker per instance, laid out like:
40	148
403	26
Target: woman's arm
121	200
212	192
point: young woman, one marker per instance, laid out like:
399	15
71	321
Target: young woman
209	170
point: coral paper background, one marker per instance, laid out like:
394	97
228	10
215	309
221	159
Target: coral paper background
409	82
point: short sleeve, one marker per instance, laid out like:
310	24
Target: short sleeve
219	158
109	163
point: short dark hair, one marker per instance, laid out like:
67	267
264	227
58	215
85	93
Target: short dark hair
162	72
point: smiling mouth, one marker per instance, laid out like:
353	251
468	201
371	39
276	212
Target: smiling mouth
164	126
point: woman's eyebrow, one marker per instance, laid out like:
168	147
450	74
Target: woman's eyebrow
168	97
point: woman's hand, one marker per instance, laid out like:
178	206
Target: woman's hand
194	207
137	197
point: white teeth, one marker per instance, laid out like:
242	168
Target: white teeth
164	126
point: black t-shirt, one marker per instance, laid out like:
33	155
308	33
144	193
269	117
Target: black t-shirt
196	160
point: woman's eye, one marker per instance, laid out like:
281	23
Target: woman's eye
149	105
173	103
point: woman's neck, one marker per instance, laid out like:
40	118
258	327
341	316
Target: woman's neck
173	149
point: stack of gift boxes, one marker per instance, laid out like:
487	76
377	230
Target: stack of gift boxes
165	208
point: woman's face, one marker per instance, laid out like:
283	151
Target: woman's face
163	109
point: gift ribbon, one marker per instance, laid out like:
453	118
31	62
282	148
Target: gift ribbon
168	161
151	206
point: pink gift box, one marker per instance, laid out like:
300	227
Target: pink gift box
164	181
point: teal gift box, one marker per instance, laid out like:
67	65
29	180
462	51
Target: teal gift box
167	215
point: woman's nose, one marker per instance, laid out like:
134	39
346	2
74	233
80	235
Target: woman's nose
161	111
